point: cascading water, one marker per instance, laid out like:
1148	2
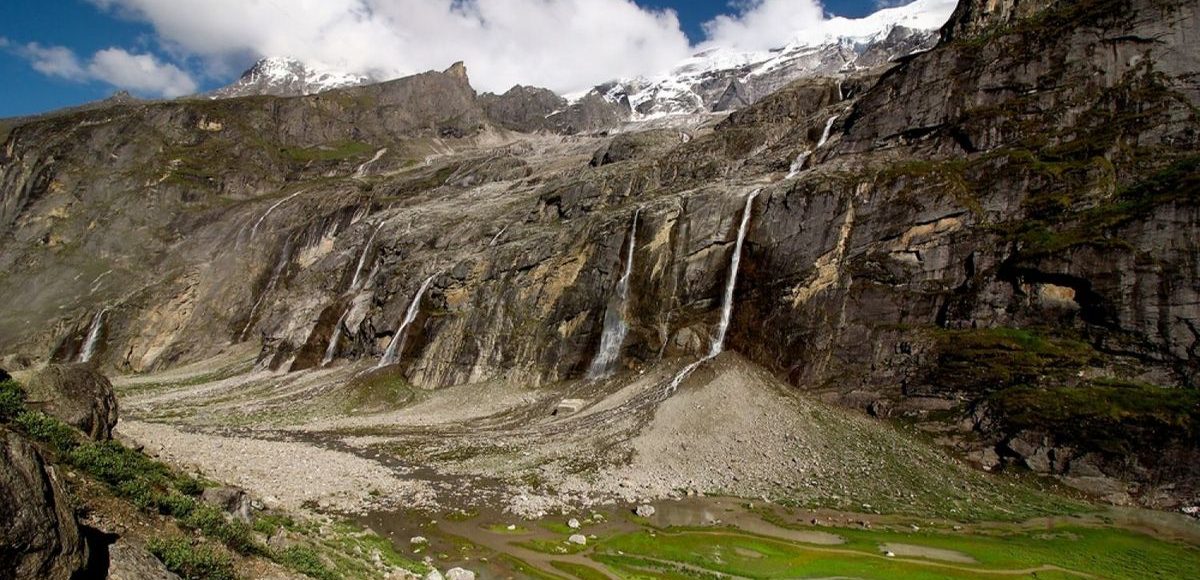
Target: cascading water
798	164
331	350
285	257
718	342
362	259
261	219
93	337
362	169
825	133
841	95
396	347
615	326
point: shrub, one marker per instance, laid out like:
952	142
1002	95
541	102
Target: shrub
192	561
116	464
212	523
46	429
176	505
305	560
12	400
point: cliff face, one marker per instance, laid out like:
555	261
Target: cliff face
997	240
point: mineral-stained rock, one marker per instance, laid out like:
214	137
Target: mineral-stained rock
76	394
39	534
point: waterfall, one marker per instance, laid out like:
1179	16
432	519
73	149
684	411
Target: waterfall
615	326
93	336
362	169
735	261
362	260
331	350
841	95
798	164
285	257
396	347
254	230
825	133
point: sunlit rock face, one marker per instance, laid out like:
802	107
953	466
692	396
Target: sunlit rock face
1004	221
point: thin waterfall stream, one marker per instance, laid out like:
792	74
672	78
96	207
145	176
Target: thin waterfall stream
718	342
615	324
826	132
93	336
396	347
331	350
362	259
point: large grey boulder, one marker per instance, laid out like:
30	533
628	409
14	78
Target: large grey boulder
128	561
39	535
76	394
231	500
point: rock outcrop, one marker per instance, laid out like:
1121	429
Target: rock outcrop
996	238
77	395
39	536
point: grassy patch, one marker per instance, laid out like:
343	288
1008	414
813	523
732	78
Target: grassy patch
12	400
1111	416
306	561
553	546
192	561
1103	552
579	570
379	390
43	428
985	360
336	151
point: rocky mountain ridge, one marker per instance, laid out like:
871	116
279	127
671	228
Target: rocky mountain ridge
286	77
723	79
995	239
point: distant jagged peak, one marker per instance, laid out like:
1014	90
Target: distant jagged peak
287	77
836	46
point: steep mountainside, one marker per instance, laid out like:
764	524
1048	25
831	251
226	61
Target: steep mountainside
996	240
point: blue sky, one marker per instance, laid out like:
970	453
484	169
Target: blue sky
64	52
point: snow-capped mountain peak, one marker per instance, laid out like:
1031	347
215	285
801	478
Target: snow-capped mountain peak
720	78
287	77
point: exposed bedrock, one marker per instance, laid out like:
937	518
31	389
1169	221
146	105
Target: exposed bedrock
1000	224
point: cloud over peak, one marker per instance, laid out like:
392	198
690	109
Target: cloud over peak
565	45
141	73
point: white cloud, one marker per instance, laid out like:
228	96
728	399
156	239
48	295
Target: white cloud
764	24
565	45
140	73
54	61
767	24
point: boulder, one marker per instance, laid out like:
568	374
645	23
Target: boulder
569	406
39	535
573	523
434	575
231	500
645	510
459	574
76	394
128	561
578	539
